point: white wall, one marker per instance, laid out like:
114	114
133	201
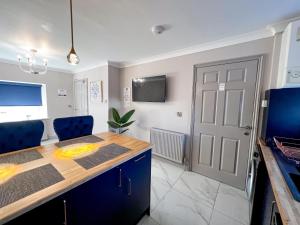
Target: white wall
97	109
57	106
179	73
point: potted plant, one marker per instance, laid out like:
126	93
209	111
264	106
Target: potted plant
120	123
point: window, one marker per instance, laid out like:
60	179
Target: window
20	94
22	101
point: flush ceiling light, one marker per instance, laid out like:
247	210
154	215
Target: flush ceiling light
158	29
72	57
30	64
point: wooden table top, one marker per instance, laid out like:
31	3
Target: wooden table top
288	207
73	173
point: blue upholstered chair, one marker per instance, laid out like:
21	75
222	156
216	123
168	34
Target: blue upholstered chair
73	127
20	135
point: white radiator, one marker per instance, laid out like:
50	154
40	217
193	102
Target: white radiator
168	144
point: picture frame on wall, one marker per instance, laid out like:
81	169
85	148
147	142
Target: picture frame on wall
96	91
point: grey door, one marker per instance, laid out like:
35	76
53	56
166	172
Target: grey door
223	116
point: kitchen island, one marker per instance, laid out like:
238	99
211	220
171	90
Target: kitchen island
98	179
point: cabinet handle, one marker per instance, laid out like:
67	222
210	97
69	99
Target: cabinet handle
142	157
65	213
129	186
120	178
272	211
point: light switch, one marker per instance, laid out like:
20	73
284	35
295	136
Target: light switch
264	103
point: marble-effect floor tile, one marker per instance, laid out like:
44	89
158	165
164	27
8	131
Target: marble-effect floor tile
164	176
147	220
233	203
177	209
220	219
179	197
198	187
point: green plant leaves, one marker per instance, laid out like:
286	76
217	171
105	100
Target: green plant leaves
115	115
113	124
120	122
127	124
126	117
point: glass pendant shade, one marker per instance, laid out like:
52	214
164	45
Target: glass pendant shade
73	58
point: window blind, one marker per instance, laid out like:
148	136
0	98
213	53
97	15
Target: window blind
20	94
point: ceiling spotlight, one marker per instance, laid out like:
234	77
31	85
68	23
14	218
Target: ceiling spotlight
158	29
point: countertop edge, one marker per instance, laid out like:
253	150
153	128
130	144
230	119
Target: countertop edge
288	207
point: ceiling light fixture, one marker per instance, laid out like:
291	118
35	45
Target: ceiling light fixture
158	29
31	65
72	57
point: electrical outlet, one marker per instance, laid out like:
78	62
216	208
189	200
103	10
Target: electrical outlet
293	76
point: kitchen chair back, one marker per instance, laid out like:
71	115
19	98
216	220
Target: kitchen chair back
20	135
73	127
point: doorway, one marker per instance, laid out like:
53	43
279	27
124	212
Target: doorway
81	97
224	118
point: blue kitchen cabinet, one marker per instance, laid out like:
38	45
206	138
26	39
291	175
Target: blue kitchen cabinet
96	201
120	196
50	213
137	188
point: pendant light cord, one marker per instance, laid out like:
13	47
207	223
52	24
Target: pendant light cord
71	23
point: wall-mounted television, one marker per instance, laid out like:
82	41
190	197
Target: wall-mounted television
149	89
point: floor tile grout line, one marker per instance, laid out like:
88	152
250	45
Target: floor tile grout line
213	209
224	214
167	192
230	217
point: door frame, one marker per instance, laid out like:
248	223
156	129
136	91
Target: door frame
255	115
87	94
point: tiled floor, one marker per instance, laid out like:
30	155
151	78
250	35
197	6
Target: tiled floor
180	197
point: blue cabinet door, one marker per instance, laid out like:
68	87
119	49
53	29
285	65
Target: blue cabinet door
50	213
136	193
97	201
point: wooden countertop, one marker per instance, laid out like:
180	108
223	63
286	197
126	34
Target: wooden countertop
73	173
288	207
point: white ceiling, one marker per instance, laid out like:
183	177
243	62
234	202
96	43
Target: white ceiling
119	30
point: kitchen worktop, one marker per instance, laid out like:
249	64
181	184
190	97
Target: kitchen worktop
288	207
72	172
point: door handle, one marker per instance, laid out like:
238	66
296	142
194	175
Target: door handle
142	157
247	127
65	213
272	212
129	186
120	178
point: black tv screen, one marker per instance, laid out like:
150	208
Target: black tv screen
149	89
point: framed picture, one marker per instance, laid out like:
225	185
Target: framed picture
96	91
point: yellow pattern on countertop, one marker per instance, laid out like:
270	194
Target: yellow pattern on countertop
7	171
76	151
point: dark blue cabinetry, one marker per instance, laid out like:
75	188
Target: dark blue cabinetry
51	213
120	196
136	194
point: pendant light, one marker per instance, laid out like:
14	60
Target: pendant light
72	57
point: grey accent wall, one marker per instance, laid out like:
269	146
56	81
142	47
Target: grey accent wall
57	106
179	71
